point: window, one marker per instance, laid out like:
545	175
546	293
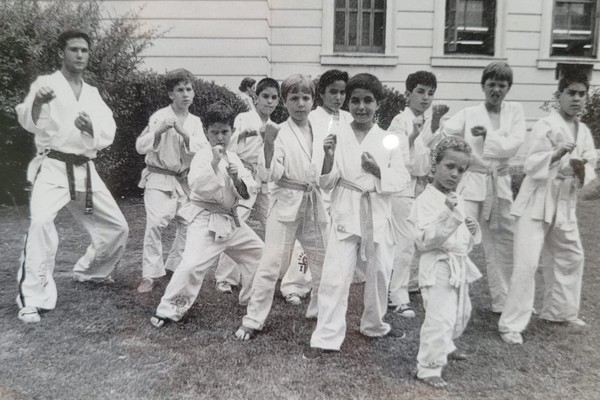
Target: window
470	27
574	28
360	26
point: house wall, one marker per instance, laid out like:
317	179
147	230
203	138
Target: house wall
228	40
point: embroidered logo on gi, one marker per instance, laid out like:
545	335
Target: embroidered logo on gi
180	304
303	262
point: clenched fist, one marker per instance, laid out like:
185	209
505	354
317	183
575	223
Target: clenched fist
471	225
451	200
478	131
329	145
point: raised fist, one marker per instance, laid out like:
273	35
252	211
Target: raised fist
271	132
451	200
439	110
232	170
218	152
478	131
44	95
329	144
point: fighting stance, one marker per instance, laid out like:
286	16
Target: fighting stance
71	123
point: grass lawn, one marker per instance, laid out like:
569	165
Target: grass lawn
99	344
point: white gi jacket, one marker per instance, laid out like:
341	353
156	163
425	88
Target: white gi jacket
549	193
443	236
292	159
170	152
215	187
497	148
55	130
345	203
416	158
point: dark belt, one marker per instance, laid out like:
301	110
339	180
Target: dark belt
219	209
70	160
164	171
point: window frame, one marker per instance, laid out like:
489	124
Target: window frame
441	59
361	12
548	61
456	31
331	57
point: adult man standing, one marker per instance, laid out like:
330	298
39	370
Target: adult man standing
71	123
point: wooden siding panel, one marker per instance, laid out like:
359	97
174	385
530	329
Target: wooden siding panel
174	9
414	20
412	38
218	66
296	54
297	4
296	18
523	23
524	6
206	48
210	28
296	36
523	40
414	5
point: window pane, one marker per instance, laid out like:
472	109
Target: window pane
340	3
353	4
352	29
573	30
340	28
470	26
366	4
380	4
366	29
379	30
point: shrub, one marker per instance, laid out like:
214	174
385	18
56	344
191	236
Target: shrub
28	32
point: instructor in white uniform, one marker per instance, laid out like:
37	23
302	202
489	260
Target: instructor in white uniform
71	123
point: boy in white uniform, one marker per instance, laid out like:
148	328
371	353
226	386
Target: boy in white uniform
560	159
444	237
246	142
292	160
326	118
217	180
363	174
71	123
169	142
495	131
416	137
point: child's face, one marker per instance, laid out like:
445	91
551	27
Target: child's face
495	91
448	172
299	104
182	95
572	99
420	99
267	101
219	134
334	95
362	105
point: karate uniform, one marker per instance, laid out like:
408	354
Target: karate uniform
212	230
55	131
294	214
165	187
546	221
416	159
297	277
445	272
488	195
360	224
247	150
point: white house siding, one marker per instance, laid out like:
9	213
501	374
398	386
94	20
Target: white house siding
217	40
227	40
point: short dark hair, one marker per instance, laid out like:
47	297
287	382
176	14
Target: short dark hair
219	113
368	82
266	83
178	76
449	143
573	76
498	70
424	78
72	34
331	76
246	83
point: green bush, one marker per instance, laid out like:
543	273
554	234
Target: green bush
28	33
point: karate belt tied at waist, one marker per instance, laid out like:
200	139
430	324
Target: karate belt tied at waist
71	160
490	210
367	244
566	193
312	202
180	176
219	209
